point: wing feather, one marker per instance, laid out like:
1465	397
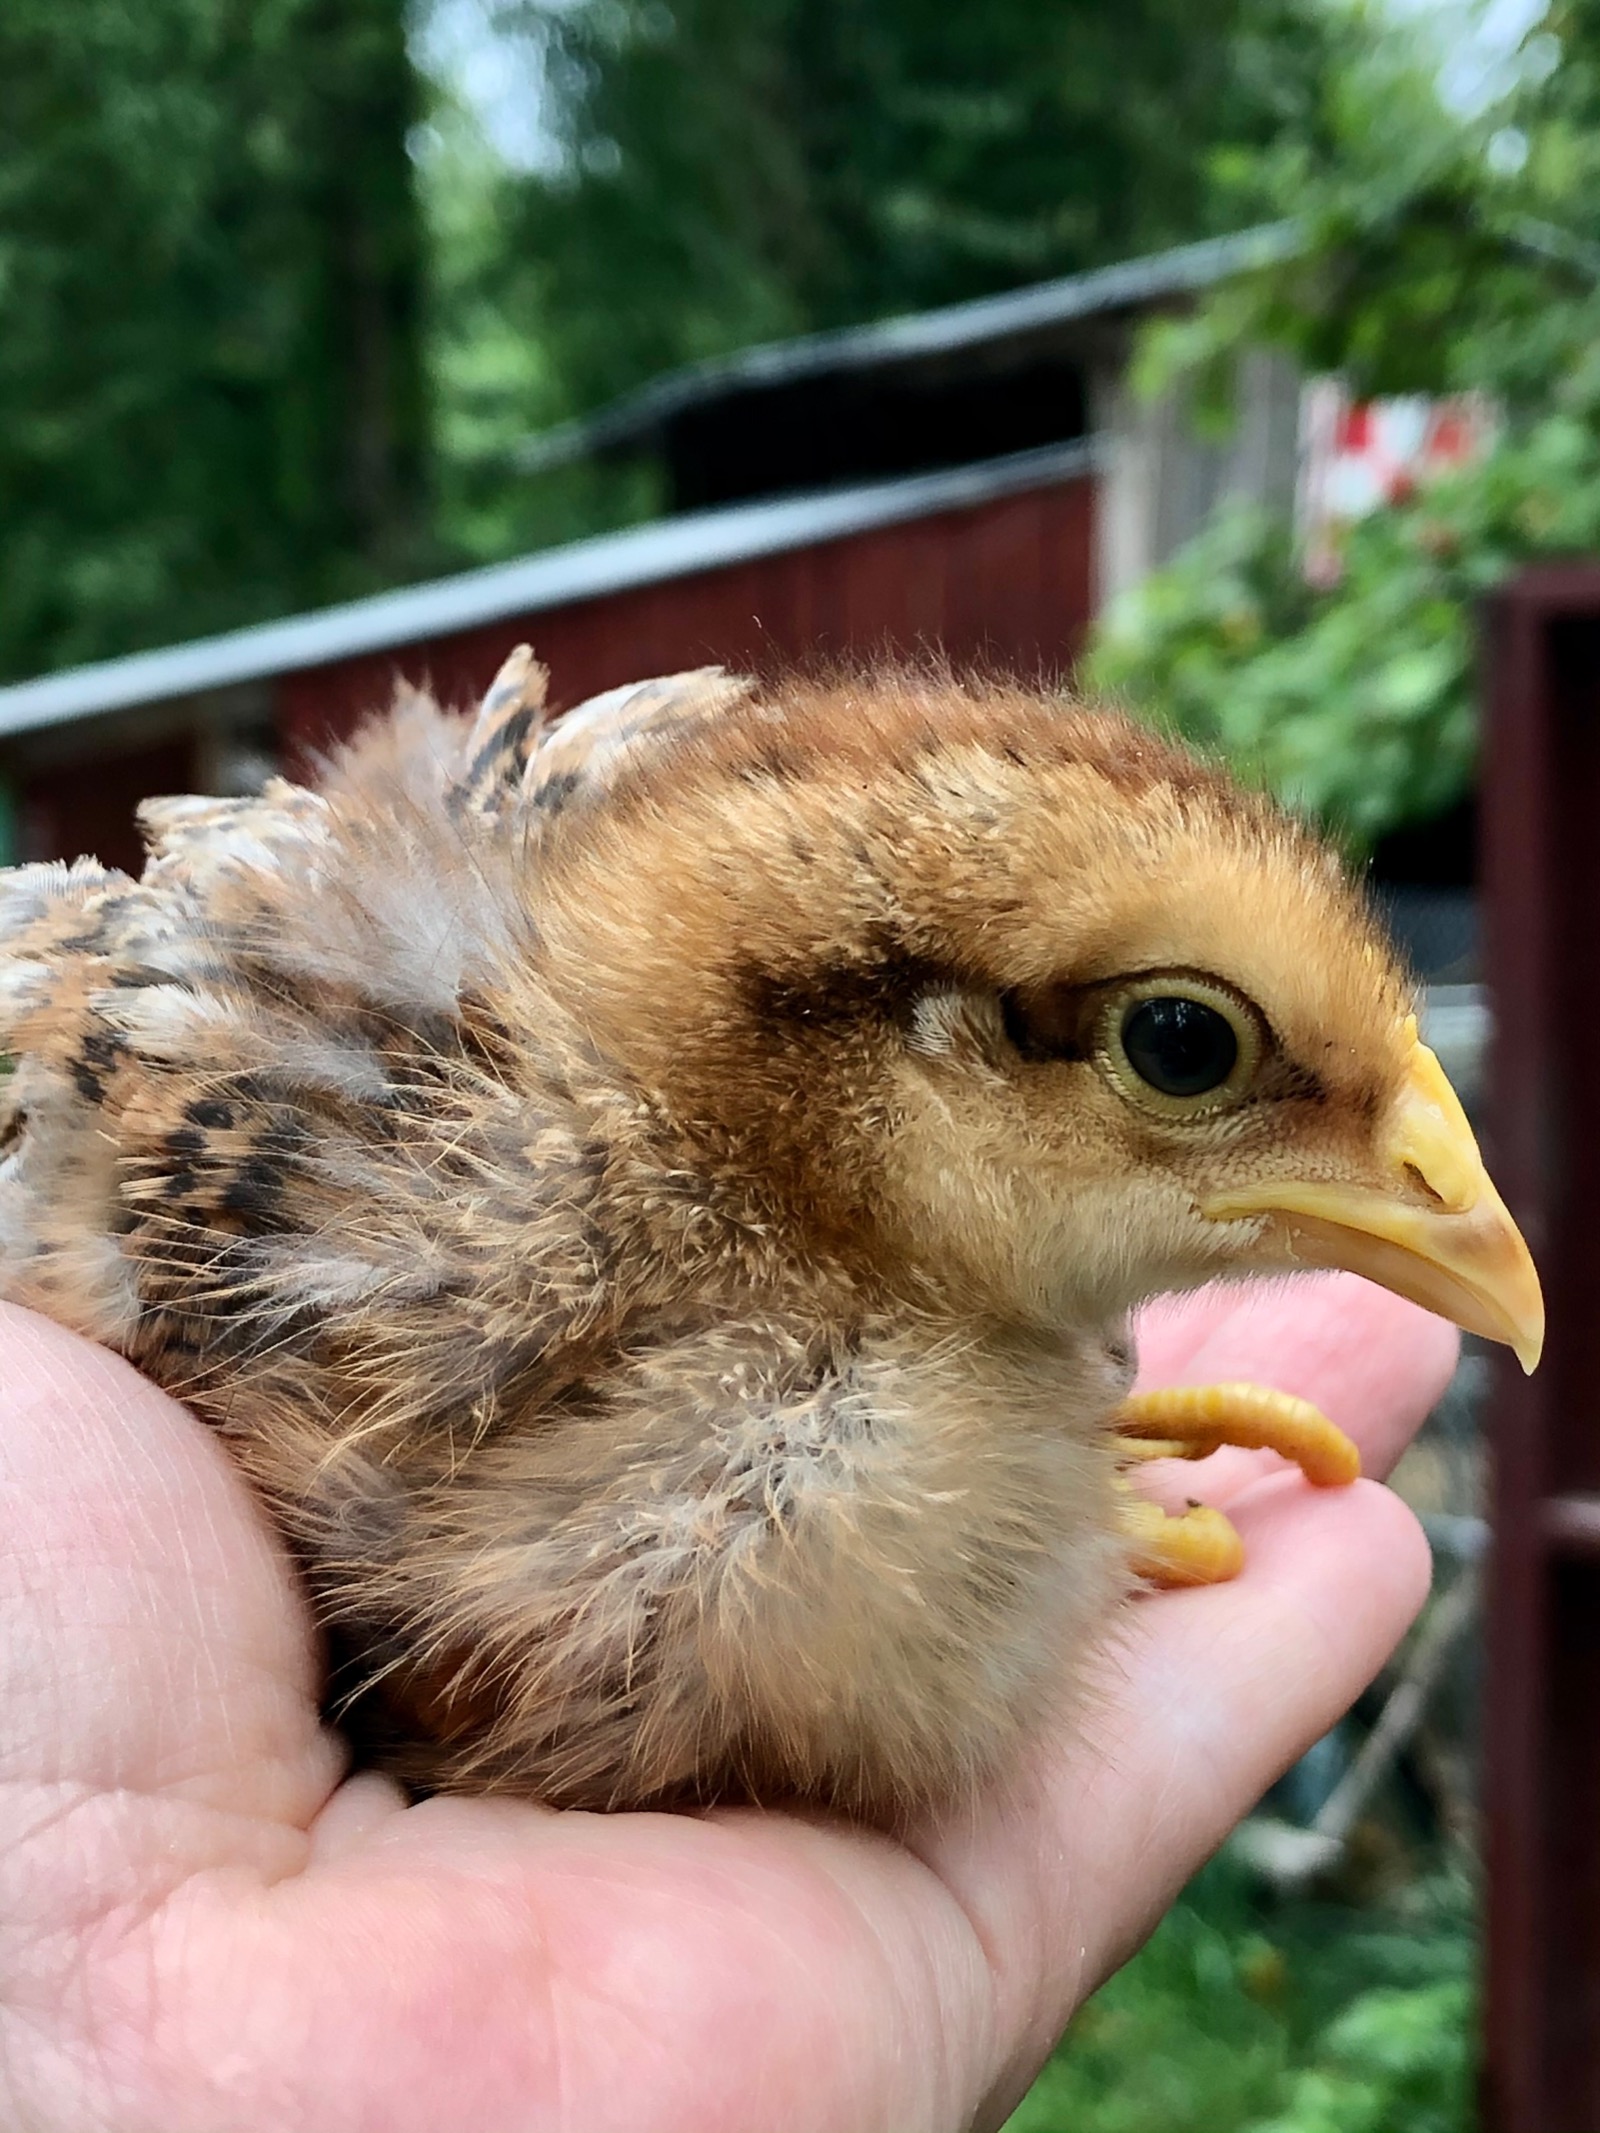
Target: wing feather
226	1077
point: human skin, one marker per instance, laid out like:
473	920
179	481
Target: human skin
205	1927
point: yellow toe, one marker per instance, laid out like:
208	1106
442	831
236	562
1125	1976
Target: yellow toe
1198	1547
1191	1421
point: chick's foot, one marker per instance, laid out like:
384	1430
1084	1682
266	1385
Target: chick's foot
1200	1546
1197	1547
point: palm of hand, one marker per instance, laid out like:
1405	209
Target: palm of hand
200	1926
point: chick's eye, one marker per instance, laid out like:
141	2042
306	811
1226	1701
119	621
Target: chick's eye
1180	1047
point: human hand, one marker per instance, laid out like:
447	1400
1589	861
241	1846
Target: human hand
203	1928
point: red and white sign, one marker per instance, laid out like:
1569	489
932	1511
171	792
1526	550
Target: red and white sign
1358	455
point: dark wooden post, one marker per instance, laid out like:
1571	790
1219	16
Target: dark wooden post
1541	860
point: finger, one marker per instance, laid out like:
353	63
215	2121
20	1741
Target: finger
1212	1694
1373	1363
155	1639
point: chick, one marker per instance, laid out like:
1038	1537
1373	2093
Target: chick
653	1202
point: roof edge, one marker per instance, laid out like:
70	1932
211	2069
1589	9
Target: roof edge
558	577
1127	283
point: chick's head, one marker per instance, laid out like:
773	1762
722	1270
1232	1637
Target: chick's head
1025	1003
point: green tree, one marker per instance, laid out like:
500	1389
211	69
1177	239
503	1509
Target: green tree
731	170
211	401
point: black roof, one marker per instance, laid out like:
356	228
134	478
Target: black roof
943	388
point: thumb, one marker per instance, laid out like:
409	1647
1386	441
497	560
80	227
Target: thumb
156	1640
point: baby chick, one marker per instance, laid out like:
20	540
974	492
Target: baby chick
653	1202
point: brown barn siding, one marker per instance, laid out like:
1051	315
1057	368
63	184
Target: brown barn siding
1008	583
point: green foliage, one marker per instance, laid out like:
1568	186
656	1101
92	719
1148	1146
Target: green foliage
254	355
1309	2018
1396	2058
1409	251
490	368
732	170
1427	266
211	402
1356	705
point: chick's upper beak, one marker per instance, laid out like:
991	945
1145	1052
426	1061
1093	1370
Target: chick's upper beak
1429	1225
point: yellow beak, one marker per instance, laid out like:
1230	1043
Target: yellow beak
1431	1228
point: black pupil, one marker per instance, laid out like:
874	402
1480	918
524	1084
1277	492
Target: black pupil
1181	1047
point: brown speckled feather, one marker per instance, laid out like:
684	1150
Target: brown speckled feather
557	1158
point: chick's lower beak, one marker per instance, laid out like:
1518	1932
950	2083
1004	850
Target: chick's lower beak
1430	1226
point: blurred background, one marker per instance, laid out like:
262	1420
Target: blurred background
1222	354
